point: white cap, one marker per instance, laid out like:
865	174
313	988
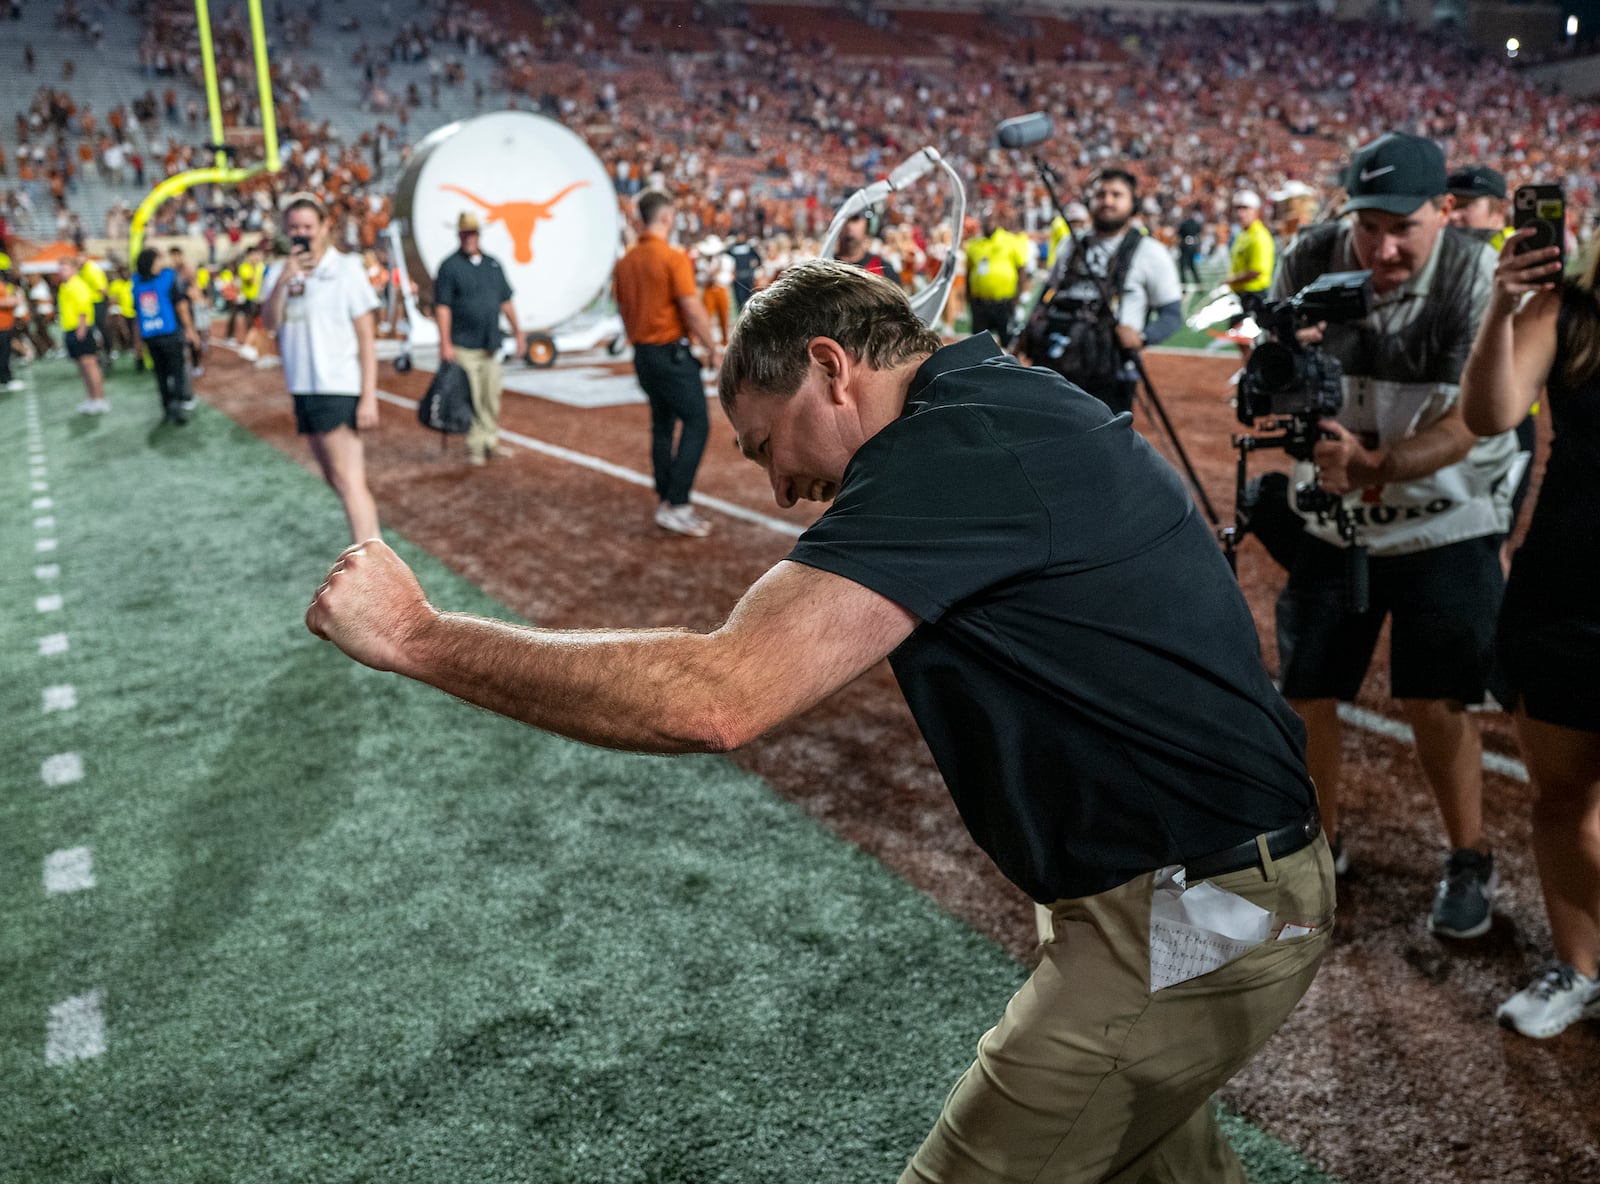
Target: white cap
712	245
1292	189
1247	197
1076	211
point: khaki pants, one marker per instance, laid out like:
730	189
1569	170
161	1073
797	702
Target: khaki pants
483	373
1091	1077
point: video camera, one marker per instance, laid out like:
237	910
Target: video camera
1288	378
1293	385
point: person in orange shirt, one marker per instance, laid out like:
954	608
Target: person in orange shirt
654	287
714	270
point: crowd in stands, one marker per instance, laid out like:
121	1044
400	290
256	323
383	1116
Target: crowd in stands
760	119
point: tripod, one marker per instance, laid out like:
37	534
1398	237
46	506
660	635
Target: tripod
1148	397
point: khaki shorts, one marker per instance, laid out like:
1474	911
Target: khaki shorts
1091	1077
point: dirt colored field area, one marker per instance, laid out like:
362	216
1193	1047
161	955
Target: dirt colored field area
1391	1072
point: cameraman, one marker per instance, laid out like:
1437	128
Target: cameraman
1110	293
1427	498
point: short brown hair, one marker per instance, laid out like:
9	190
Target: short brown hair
650	203
305	201
866	314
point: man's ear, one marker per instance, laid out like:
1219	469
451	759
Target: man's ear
836	363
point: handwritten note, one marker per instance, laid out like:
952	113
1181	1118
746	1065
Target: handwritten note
1194	930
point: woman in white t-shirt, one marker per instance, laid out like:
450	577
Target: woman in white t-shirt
324	312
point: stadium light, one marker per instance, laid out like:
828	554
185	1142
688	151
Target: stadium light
1572	25
1512	45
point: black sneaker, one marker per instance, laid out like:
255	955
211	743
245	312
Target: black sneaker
1462	906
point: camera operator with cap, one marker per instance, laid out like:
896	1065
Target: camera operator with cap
470	295
1110	293
1427	495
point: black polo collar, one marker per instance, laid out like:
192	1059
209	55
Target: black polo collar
978	348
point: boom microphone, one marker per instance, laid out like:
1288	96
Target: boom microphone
1022	130
914	168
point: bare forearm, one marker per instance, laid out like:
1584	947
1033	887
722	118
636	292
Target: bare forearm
1489	394
1427	452
272	309
629	690
699	324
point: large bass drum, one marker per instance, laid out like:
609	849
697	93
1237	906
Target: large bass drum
545	203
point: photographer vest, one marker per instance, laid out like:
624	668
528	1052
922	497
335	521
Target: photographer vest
1074	331
1402	369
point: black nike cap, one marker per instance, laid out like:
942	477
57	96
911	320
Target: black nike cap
1477	181
1396	173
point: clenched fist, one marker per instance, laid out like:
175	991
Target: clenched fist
370	606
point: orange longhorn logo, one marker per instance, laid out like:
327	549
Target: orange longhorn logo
520	218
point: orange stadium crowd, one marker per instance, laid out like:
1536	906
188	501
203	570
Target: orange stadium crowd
761	119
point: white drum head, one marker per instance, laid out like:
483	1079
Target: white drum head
544	202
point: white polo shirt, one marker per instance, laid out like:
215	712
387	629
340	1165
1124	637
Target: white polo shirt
317	338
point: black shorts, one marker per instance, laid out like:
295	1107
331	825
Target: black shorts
82	347
1548	647
1443	603
316	414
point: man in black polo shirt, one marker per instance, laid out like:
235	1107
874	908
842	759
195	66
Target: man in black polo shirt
470	294
1079	658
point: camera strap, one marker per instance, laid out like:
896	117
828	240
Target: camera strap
1109	285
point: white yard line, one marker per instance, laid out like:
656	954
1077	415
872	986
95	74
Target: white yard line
76	1029
71	870
1382	725
631	476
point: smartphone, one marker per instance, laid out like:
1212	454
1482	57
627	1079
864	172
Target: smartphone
1545	209
300	242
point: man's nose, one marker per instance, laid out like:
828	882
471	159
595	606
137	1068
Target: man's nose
782	489
1388	248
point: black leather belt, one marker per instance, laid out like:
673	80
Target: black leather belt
1284	841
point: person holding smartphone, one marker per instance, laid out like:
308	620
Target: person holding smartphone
324	313
1543	332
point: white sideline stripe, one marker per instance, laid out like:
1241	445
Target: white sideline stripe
51	644
43	545
47	604
584	460
60	698
1382	725
41	503
76	1029
40	487
38	470
48	522
62	769
47	571
71	870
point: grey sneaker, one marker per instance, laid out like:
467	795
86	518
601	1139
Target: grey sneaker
1557	997
1461	907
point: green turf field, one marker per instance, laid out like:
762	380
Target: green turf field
347	929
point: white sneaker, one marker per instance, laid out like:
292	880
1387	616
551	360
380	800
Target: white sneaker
16	384
249	353
1557	997
88	407
682	520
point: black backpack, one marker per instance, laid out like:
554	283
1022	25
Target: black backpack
1077	338
447	407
